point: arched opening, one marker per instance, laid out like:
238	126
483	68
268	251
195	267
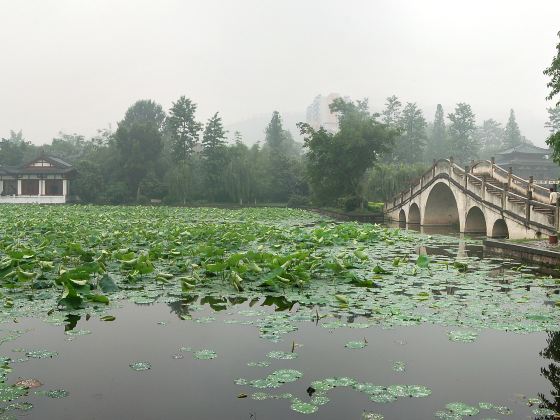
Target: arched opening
402	218
414	214
441	207
475	222
500	229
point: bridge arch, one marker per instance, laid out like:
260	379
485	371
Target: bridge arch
414	214
475	221
500	229
441	207
402	218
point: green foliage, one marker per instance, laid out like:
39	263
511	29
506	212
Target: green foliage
553	71
14	149
553	123
296	201
438	145
139	142
183	129
384	181
512	135
462	133
491	137
350	203
336	163
554	143
409	146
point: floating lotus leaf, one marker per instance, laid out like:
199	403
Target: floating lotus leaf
286	375
462	336
399	366
205	354
41	354
259	396
10	393
21	406
258	364
54	393
355	344
282	355
319	400
462	409
371	416
140	366
544	412
303	407
506	411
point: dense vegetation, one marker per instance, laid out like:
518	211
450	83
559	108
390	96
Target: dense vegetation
553	123
173	157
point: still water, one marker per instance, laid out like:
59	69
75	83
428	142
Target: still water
93	363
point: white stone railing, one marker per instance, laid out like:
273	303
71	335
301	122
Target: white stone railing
512	193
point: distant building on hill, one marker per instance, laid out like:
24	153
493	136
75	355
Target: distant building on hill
528	160
44	180
319	114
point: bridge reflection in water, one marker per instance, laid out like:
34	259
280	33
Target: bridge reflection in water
481	199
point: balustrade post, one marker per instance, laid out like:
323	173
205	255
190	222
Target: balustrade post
510	171
504	197
472	166
422	182
528	206
530	186
466	177
557	215
450	166
493	162
483	193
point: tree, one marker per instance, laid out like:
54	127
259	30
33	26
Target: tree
139	142
336	163
438	144
554	73
213	150
512	135
281	156
409	146
147	111
15	149
392	112
491	137
461	130
183	129
553	123
89	184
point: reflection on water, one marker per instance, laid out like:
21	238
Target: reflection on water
552	371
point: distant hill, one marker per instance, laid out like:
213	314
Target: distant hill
253	128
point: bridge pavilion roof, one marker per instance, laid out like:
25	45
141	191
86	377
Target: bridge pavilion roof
526	148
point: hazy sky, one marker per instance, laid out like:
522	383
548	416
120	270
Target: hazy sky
76	65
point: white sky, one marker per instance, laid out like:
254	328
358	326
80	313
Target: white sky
76	65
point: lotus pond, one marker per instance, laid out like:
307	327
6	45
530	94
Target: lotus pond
152	312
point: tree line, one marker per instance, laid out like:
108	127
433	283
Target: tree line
171	156
175	158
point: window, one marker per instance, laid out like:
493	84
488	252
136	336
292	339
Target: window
29	187
53	187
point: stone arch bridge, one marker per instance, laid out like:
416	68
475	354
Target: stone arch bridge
482	198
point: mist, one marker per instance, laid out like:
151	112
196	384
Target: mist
76	66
